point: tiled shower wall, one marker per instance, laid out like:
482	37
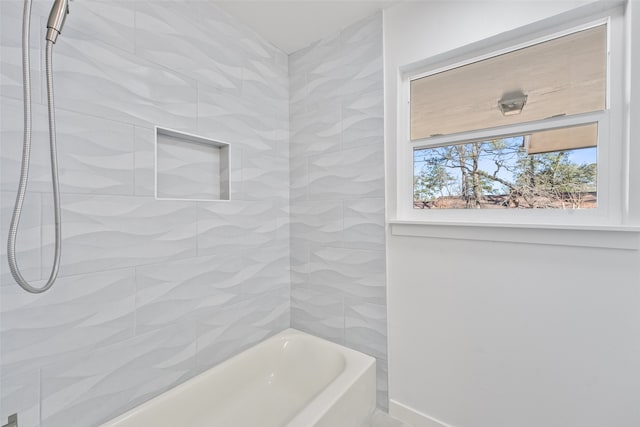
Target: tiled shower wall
150	292
337	192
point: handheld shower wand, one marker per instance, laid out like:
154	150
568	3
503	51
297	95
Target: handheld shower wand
57	17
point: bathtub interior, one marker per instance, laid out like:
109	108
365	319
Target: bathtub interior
291	375
265	387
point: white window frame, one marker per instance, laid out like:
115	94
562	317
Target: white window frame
612	170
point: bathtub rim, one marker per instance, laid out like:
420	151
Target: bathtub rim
356	365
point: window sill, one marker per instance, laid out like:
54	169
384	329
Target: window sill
596	236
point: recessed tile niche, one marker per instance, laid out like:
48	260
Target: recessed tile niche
190	167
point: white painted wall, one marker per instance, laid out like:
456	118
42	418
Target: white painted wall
633	112
503	334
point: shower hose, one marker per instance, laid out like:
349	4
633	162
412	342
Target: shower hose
26	155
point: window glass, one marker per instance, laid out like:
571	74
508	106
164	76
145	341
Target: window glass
551	169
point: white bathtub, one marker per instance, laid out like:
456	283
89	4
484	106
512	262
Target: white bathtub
292	379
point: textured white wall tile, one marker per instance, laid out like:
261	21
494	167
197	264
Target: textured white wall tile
328	176
11	133
264	78
299	252
226	331
348	272
320	314
299	178
77	314
235	226
109	232
11	51
40	7
316	130
363	119
94	155
350	173
367	31
28	243
299	260
170	34
317	222
366	327
189	289
109	21
256	47
281	135
189	66
99	79
364	61
283	233
240	325
362	80
99	385
223	26
382	383
321	64
337	190
364	224
265	270
144	161
276	306
297	89
265	175
239	122
217	120
20	394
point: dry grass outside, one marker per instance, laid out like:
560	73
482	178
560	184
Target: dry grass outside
585	201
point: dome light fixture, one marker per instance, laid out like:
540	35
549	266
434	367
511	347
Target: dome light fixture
512	103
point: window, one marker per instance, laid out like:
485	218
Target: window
546	169
521	133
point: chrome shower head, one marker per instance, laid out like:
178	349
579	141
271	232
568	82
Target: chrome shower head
57	17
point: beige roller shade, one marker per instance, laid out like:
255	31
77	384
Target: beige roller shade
563	139
566	75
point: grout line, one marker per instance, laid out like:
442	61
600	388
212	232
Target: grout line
342	233
198	88
197	236
135	301
41	268
39	396
140	196
134	152
344	321
42	74
135	29
43	103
